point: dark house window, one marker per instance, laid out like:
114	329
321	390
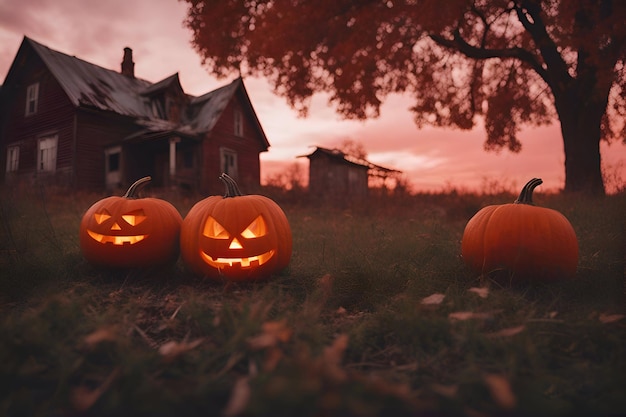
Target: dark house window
32	99
238	122
47	154
157	108
188	158
114	162
13	158
228	162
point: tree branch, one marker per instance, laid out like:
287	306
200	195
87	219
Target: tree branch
459	44
556	66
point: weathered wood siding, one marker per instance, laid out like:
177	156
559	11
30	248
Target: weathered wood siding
53	117
247	148
95	130
334	178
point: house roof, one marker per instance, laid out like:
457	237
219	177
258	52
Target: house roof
171	81
89	85
92	86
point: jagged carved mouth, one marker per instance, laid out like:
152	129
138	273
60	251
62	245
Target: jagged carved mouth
116	240
244	263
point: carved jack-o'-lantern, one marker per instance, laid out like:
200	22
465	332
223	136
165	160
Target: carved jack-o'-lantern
130	232
236	237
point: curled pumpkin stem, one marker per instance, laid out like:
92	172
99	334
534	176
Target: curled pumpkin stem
137	186
526	195
232	189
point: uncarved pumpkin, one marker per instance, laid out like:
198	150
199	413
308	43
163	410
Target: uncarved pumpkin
130	232
236	237
521	239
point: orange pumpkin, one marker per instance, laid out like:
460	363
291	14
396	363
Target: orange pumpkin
236	237
521	239
130	232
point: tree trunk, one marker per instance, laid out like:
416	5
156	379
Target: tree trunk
581	129
583	172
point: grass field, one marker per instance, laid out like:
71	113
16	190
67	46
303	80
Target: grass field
376	315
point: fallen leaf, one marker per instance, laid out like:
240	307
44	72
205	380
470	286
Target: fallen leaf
272	357
334	353
341	311
413	366
501	391
468	315
262	341
433	299
279	329
332	356
610	318
448	391
103	334
325	284
172	349
84	398
273	333
482	292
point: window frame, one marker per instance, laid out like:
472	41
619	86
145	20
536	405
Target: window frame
13	158
47	156
238	122
228	162
32	99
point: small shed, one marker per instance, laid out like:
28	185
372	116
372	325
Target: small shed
334	174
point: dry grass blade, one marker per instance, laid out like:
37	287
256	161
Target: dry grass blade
508	332
239	397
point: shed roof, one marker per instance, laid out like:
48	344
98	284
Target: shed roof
341	157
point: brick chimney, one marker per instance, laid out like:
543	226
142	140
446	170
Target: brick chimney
128	66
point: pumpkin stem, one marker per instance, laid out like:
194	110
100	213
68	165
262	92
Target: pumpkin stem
232	189
136	187
526	196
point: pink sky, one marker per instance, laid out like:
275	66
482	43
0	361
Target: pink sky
432	159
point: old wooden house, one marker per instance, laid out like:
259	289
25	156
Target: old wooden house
68	122
336	175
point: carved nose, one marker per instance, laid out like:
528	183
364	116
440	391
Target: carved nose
116	226
235	244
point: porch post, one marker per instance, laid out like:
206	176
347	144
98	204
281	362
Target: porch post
173	142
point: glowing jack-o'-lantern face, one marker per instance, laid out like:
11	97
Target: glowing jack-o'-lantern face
231	249
128	232
115	236
236	237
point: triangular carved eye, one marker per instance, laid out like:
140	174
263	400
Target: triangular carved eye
134	217
215	230
256	229
102	216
